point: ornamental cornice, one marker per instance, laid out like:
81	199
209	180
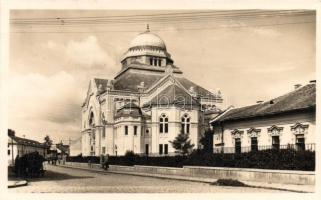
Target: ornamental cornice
253	132
275	130
299	128
237	133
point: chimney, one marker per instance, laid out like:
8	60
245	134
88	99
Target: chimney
259	102
296	86
313	81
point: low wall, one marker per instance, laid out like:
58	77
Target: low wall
241	174
259	175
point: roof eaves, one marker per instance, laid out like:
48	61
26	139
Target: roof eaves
268	114
222	114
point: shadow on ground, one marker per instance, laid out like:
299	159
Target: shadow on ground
56	176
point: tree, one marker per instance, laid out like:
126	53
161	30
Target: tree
182	143
11	132
207	141
48	141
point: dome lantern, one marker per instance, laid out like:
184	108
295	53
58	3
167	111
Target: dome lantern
147	48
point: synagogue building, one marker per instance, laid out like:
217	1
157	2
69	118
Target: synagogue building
147	104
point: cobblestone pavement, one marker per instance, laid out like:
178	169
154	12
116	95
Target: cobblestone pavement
59	179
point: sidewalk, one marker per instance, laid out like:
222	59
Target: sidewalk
276	186
16	182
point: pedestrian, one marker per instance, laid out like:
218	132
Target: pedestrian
106	163
102	160
17	165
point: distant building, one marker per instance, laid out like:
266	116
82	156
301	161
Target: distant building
146	105
21	146
284	122
63	149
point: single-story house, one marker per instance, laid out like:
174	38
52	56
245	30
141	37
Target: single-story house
287	121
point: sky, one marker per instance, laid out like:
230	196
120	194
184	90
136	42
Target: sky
247	59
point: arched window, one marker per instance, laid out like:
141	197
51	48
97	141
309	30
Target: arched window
186	123
163	124
91	119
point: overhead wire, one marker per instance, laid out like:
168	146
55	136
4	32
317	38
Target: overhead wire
188	19
176	29
62	21
175	14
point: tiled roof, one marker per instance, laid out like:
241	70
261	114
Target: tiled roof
299	99
63	147
198	89
173	94
129	81
28	142
102	82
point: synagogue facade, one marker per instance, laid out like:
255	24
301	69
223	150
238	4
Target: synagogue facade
147	104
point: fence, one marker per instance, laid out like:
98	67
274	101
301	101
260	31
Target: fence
294	147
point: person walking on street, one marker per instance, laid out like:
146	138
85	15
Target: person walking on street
105	163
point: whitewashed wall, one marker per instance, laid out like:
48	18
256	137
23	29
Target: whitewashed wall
264	139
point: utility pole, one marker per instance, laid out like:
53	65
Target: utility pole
12	150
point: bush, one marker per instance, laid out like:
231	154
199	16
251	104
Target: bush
85	159
229	182
284	159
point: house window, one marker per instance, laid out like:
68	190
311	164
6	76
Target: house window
159	62
147	149
103	150
275	142
165	148
160	149
135	130
8	151
300	142
151	61
185	124
104	133
237	145
254	142
163	124
126	130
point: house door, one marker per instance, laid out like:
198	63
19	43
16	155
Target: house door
146	149
238	145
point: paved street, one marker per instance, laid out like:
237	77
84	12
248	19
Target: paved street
59	179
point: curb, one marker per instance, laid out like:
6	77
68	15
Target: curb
201	180
18	184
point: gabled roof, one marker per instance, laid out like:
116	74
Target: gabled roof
63	147
101	83
130	80
300	99
28	142
172	95
198	89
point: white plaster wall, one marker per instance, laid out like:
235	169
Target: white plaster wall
22	150
174	127
128	142
285	121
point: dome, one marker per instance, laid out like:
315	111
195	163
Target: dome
147	39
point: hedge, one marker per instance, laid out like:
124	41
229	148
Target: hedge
284	159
